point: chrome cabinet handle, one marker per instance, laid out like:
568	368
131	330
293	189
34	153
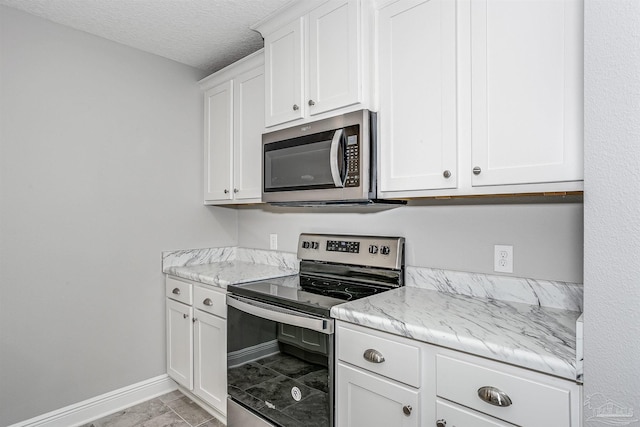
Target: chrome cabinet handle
407	410
176	291
494	396
295	107
184	316
477	170
235	190
446	174
226	191
311	103
208	302
441	423
373	356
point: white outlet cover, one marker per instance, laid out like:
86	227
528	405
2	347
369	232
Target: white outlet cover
503	258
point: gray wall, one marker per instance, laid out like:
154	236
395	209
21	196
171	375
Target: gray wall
546	238
100	170
612	205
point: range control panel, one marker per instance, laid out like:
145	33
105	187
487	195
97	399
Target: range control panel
374	251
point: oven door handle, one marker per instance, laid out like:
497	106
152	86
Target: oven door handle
280	314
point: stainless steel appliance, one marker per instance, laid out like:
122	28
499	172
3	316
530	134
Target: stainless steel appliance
331	161
280	333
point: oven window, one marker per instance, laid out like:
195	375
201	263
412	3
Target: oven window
278	371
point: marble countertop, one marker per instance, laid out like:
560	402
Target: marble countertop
502	324
226	266
224	273
538	338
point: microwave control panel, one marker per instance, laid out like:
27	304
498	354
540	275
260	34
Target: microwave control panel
353	162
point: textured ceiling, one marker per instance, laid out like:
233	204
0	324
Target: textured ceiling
206	34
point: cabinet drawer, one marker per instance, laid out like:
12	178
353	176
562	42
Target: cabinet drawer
401	360
532	403
179	290
454	415
210	300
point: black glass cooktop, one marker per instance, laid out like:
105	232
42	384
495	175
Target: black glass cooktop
339	289
307	294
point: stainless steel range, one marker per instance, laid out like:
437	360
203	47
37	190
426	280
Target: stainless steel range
280	332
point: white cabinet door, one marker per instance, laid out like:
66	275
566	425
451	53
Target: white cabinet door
364	399
526	91
457	416
334	57
218	142
248	128
180	343
417	66
211	360
283	74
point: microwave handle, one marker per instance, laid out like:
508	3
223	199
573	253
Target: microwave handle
336	142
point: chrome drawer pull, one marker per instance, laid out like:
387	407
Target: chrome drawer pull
208	302
407	410
373	356
176	291
494	396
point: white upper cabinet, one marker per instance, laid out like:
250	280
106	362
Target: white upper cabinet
526	91
218	142
234	123
248	125
480	97
334	57
417	68
283	74
314	59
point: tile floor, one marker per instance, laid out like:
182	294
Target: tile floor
170	410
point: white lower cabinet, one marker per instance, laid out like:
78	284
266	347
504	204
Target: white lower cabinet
210	339
197	341
452	415
378	379
387	380
507	393
180	343
370	400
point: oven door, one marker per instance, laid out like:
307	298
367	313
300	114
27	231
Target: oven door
280	366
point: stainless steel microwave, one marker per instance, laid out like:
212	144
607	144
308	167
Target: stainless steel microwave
331	161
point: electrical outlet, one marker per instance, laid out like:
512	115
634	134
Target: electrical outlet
503	258
273	241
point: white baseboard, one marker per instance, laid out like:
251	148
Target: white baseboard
99	406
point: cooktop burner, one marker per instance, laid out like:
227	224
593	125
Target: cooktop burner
338	289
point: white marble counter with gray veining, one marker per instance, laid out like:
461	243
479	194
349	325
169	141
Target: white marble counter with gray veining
538	338
225	266
524	322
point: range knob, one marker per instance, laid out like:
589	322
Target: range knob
385	250
306	245
373	249
315	245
